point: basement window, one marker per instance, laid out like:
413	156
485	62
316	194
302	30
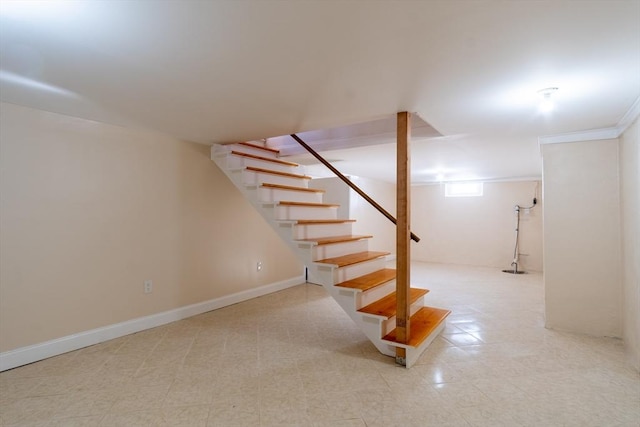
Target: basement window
463	189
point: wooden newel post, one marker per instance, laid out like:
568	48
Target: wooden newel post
403	235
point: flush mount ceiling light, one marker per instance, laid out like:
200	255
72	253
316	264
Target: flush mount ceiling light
546	103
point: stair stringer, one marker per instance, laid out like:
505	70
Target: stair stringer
374	327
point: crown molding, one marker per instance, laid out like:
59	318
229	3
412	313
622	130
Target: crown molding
585	135
595	134
630	116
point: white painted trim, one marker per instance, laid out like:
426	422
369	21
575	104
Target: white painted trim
595	134
587	135
33	353
630	116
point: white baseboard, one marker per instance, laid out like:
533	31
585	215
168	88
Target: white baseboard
33	353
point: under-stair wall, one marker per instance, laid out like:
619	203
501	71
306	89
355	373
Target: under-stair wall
356	277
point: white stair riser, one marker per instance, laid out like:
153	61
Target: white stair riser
356	270
390	324
339	249
304	212
258	178
365	298
272	195
239	162
312	231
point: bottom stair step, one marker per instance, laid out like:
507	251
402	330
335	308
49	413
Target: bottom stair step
423	323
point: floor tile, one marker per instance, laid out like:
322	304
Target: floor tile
86	421
294	358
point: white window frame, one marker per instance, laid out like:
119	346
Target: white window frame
464	189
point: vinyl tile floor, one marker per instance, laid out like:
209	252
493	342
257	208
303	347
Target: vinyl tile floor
293	358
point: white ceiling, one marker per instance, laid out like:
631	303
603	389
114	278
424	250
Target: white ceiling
222	71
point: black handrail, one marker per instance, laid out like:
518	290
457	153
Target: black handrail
349	183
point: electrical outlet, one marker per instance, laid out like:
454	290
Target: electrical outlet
259	266
148	286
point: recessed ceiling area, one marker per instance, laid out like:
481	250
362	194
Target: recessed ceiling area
368	150
458	158
375	132
226	71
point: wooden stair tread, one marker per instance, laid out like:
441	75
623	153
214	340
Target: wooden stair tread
386	306
308	204
369	281
266	159
334	239
292	175
290	187
422	324
323	221
350	259
248	144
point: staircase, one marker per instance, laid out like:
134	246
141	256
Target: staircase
335	258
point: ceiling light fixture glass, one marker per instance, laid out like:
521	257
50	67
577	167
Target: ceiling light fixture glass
546	104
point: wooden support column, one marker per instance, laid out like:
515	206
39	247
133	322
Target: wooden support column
403	234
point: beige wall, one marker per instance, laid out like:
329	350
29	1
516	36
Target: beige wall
478	230
88	211
473	231
630	219
582	237
370	221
